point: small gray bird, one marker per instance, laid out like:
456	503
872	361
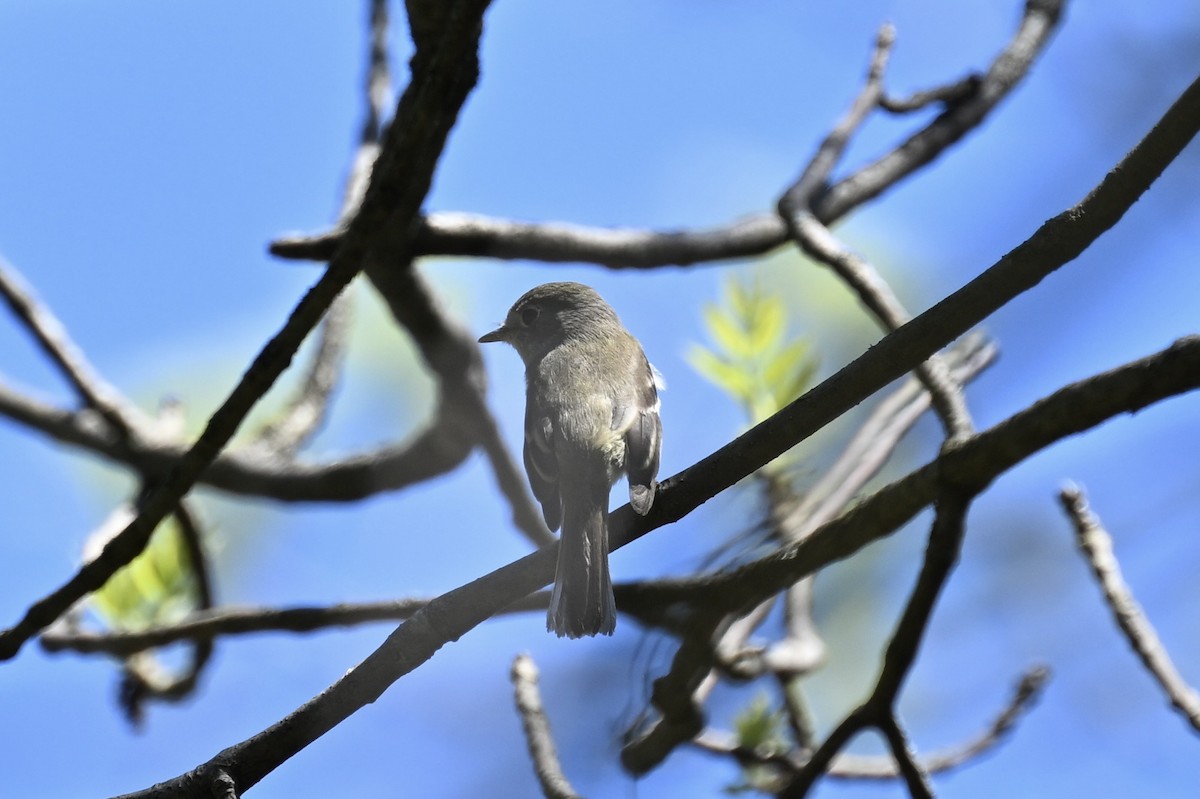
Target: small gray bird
591	414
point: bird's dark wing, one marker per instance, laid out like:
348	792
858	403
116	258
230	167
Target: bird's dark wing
643	440
541	464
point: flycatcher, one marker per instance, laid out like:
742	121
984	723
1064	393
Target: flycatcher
591	414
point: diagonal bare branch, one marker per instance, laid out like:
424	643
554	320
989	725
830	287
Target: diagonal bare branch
443	75
52	337
537	731
453	614
1096	545
912	772
816	240
307	409
868	450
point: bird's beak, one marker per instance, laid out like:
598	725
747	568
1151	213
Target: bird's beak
499	334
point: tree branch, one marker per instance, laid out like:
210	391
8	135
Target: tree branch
975	462
453	614
473	235
911	771
307	409
537	731
443	75
56	343
1096	545
819	243
208	624
872	444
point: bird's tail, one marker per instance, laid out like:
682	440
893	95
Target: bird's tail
582	602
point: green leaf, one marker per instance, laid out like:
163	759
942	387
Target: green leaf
801	379
767	326
727	376
758	727
789	371
153	587
728	334
742	296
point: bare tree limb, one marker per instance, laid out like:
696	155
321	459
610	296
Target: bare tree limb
252	471
443	75
949	94
911	771
307	409
1096	545
979	459
869	767
1038	24
801	648
56	343
941	553
473	235
974	462
451	615
868	450
796	208
1056	242
225	621
537	731
873	291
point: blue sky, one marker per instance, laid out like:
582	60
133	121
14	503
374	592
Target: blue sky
150	152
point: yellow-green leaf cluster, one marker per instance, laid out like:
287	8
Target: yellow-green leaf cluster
158	587
752	357
759	729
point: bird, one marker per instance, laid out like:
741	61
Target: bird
591	415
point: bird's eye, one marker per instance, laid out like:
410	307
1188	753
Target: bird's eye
529	315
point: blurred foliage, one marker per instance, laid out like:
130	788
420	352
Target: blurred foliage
759	729
753	359
159	586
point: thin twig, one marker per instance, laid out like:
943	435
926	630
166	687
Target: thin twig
801	648
453	614
385	223
796	209
875	440
975	462
863	456
873	291
873	767
53	339
1028	689
478	236
911	771
819	169
307	409
1038	23
227	621
948	94
537	731
1096	545
941	553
